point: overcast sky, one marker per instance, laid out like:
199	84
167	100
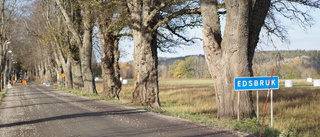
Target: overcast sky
299	39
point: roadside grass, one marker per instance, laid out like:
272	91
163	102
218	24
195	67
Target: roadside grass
2	93
296	109
95	96
193	99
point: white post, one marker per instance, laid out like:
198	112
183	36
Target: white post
238	105
271	108
258	105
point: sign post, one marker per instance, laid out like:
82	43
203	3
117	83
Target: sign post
256	83
271	108
258	105
238	115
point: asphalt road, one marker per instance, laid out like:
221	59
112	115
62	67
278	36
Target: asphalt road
39	111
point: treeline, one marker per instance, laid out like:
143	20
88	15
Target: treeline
272	56
190	67
293	64
178	67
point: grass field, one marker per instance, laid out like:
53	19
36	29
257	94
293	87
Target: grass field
296	109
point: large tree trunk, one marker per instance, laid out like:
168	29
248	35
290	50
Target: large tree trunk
146	89
76	75
109	38
58	69
66	67
228	58
136	92
47	72
136	17
3	39
257	18
42	72
110	65
86	69
86	48
68	74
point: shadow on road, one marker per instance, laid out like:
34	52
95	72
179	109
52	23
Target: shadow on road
70	116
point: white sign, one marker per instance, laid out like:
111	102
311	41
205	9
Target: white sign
316	83
288	83
9	85
125	82
96	79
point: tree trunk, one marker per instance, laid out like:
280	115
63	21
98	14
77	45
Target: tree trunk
257	18
68	74
146	89
47	73
76	75
58	69
110	65
228	58
42	72
66	67
85	55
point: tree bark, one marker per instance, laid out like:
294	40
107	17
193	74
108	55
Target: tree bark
146	89
257	18
110	65
66	68
58	69
86	69
76	75
86	49
68	74
227	58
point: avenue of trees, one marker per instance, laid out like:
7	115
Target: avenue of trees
51	37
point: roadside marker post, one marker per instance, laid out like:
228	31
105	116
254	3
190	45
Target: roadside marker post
271	107
258	105
256	83
238	115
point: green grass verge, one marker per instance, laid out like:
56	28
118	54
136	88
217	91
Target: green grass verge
251	126
2	93
81	93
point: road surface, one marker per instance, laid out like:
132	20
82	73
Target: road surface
39	111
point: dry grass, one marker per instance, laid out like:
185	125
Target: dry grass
192	99
296	110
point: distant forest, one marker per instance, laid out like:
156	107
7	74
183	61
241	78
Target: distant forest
291	64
